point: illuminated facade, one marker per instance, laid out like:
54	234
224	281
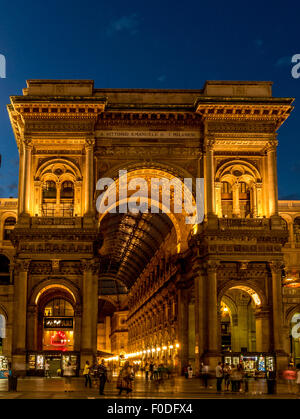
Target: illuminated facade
75	281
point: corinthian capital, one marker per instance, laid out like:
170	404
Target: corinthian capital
90	266
89	142
276	266
271	145
209	142
21	265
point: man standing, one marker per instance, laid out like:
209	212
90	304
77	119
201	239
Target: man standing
219	376
102	374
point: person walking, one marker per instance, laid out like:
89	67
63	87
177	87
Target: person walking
102	374
219	376
147	369
47	369
290	376
68	374
205	374
151	370
86	374
125	379
298	377
190	371
227	372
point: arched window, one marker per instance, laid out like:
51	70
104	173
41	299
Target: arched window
9	225
49	190
297	229
58	308
67	190
4	270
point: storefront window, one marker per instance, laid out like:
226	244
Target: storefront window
58	324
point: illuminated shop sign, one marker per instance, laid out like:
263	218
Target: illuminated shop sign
55	322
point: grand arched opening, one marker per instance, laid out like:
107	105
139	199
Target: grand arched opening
137	253
55	323
244	327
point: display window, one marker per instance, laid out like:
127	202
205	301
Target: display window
3	367
58	324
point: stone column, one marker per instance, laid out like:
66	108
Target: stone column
77	327
183	323
262	326
200	304
259	202
236	199
89	311
272	178
277	312
89	176
25	197
20	316
21	180
218	189
32	323
254	201
209	176
213	353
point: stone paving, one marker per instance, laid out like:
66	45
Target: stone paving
178	388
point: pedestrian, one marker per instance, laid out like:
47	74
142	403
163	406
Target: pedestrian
227	372
102	374
155	371
290	376
68	374
205	374
190	371
47	367
151	370
125	379
147	369
86	374
185	372
234	378
298	377
219	376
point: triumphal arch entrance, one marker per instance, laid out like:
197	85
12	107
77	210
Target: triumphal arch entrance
144	278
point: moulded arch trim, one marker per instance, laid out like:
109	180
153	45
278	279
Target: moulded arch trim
3	311
64	162
44	286
290	313
250	287
230	164
179	171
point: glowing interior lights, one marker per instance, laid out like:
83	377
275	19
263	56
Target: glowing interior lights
171	346
164	348
177	345
158	349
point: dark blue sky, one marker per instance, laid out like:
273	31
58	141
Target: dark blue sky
154	44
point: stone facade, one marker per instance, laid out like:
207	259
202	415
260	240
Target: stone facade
183	289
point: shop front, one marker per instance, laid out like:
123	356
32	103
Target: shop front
52	363
256	364
3	367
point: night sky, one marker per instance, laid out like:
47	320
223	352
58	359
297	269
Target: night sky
151	44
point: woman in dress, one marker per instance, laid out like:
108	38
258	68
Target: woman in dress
125	379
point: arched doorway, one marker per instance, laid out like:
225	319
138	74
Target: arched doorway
55	337
244	329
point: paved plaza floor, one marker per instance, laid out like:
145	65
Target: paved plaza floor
178	388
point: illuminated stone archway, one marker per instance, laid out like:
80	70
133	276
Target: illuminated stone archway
248	321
